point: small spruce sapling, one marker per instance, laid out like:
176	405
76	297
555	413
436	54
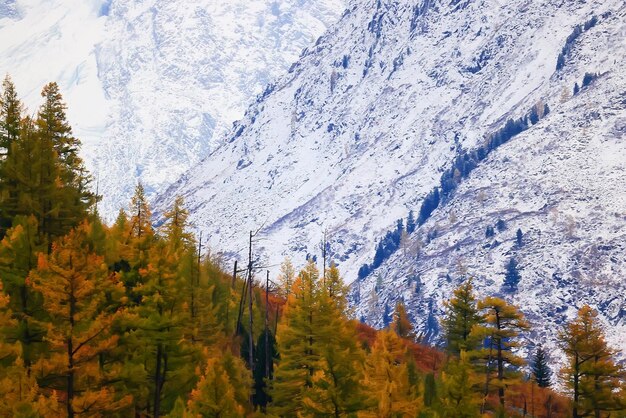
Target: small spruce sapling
512	275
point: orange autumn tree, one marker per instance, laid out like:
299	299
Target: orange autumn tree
77	292
18	391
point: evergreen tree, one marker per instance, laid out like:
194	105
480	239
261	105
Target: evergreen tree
69	203
546	110
503	325
541	369
387	315
512	276
591	373
518	237
42	174
10	118
462	315
11	110
265	355
430	390
28	179
410	222
534	116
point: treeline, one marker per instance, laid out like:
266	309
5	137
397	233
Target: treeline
132	320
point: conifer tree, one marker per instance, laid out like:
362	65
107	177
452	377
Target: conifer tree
296	345
10	117
336	381
511	276
176	225
216	394
541	370
71	200
42	174
11	110
18	257
141	216
162	317
75	285
264	370
136	237
18	390
501	331
28	179
591	373
410	222
430	390
461	387
519	235
401	322
286	277
462	315
387	379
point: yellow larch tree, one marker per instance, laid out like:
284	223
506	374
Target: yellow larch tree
76	289
387	379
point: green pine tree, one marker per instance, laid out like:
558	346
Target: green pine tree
462	315
11	110
503	326
541	370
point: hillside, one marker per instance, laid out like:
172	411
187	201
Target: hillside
362	128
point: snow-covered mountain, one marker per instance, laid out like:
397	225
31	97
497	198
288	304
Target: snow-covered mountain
400	93
152	84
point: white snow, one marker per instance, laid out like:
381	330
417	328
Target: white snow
151	85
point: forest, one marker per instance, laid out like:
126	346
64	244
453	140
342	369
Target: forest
137	320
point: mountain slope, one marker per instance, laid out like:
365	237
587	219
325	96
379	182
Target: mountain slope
562	183
150	85
359	130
